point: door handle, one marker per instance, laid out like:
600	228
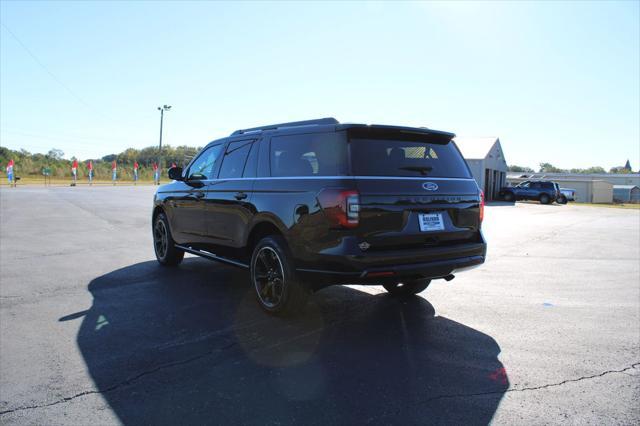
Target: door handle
240	196
199	195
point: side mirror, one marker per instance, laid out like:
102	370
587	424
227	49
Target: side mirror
175	173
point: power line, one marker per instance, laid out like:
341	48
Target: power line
44	67
67	138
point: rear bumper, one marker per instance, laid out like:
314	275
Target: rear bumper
373	268
376	275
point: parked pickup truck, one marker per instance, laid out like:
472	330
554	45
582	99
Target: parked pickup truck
569	194
544	191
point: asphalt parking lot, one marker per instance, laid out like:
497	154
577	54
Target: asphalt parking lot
93	331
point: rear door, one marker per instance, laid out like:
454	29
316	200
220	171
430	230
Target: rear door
228	198
414	190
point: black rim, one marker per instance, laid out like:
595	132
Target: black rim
268	277
160	238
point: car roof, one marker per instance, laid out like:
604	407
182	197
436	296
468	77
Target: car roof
327	124
331	124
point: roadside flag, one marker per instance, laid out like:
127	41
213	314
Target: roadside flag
135	171
10	171
90	167
156	174
74	169
114	172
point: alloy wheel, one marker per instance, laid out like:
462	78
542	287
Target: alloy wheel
160	239
268	277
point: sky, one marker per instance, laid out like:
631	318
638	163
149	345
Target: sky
557	82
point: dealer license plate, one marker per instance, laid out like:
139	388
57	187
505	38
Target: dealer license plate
430	222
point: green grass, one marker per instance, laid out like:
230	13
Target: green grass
33	181
613	206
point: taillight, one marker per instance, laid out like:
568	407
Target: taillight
481	206
341	206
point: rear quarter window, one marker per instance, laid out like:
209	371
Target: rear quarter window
311	154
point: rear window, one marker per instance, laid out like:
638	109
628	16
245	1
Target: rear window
311	154
391	157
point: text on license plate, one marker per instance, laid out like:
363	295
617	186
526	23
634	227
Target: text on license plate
431	222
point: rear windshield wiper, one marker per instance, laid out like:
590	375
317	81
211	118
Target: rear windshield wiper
424	170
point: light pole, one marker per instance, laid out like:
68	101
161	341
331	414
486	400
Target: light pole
162	109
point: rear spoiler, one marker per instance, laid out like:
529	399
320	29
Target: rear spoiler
418	134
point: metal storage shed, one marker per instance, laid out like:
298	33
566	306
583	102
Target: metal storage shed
626	193
486	161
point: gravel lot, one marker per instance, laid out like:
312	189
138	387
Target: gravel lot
93	331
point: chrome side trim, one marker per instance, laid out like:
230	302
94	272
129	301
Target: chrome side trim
212	256
338	177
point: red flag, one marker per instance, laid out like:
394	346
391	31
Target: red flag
113	165
155	166
10	166
135	165
90	165
74	165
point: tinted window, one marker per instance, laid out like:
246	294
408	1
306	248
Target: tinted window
202	167
252	161
390	157
234	159
313	154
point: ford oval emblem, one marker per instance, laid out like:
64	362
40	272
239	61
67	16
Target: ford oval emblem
430	186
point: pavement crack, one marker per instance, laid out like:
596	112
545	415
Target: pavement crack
501	392
123	383
579	379
533	388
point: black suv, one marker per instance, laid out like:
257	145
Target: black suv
309	204
540	190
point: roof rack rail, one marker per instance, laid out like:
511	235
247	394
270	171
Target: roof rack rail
316	122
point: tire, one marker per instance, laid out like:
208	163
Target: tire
163	244
545	199
273	276
407	288
561	200
509	197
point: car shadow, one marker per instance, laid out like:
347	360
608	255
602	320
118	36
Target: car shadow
189	345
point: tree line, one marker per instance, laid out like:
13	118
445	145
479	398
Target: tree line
550	168
29	164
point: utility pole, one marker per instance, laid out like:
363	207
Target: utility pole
162	109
